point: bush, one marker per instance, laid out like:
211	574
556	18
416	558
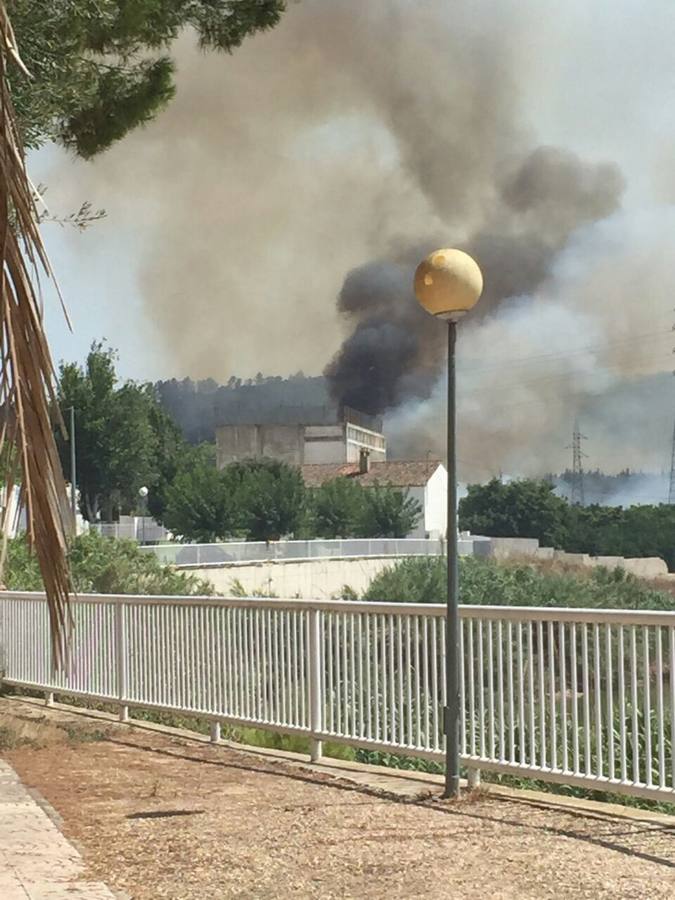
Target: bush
104	566
488	583
421	579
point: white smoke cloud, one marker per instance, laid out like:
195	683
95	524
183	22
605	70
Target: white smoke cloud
598	329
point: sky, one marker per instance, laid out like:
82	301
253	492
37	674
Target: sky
260	168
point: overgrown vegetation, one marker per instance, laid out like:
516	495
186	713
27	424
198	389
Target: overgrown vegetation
484	582
104	566
531	509
489	583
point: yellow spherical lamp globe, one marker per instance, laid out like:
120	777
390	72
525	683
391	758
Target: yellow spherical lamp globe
448	284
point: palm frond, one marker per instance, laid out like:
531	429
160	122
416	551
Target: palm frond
27	378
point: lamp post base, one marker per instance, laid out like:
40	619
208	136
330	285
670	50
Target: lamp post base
451	790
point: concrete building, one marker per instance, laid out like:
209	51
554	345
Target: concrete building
338	437
424	480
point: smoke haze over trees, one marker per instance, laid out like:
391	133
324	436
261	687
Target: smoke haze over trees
199	407
328	155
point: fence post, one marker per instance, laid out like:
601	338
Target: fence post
315	692
121	660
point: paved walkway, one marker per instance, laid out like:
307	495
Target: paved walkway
36	861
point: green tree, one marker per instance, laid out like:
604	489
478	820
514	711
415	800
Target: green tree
637	531
124	439
171	450
272	498
102	68
597	530
202	503
387	512
336	508
526	508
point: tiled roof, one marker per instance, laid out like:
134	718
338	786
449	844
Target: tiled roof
398	473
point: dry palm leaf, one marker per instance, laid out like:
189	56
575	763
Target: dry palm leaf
27	394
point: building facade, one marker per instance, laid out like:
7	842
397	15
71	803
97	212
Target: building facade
299	444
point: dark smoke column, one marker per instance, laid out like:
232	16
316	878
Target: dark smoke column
448	284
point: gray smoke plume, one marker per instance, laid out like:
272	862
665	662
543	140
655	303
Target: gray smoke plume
395	350
589	342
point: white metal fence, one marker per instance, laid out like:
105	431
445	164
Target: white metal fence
132	528
259	551
584	697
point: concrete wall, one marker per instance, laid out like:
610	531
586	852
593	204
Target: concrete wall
320	579
642	567
512	548
297	444
236	442
506	548
325	444
325	578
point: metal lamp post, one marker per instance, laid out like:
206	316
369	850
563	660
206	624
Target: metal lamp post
448	284
143	494
73	469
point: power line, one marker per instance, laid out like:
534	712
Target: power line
510	386
649	336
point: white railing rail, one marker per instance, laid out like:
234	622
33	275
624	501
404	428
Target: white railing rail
260	551
583	697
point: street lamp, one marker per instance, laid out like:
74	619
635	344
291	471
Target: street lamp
448	284
143	494
73	469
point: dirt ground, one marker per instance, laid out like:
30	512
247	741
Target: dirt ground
160	816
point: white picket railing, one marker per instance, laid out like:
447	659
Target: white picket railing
259	551
583	697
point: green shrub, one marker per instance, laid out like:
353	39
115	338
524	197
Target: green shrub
104	566
488	583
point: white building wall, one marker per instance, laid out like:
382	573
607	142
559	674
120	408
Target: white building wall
359	438
435	504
